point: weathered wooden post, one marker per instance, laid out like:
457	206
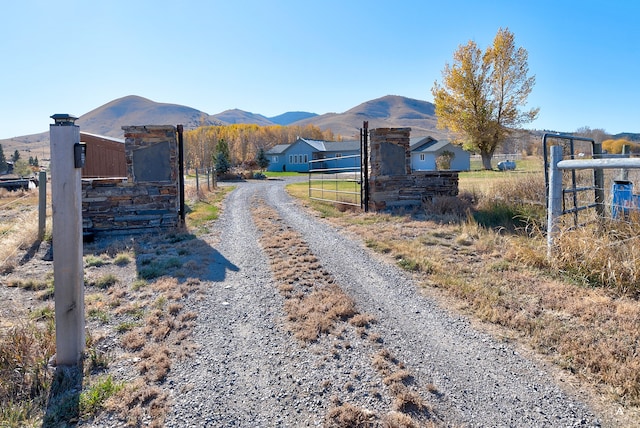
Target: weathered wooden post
67	158
42	204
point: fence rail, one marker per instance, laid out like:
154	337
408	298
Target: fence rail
556	192
340	184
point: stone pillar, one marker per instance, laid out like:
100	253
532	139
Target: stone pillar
151	153
390	152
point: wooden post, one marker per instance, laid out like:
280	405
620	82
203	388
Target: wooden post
42	204
66	196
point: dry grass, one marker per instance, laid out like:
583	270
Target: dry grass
603	253
347	415
120	311
316	306
314	302
581	308
18	226
25	350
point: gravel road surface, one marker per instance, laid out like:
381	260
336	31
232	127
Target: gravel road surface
250	371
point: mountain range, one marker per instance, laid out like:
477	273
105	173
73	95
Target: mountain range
108	119
387	111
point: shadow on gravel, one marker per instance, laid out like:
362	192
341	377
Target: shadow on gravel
177	254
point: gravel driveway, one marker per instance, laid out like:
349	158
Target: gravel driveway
250	371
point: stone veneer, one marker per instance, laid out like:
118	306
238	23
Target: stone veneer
148	197
392	183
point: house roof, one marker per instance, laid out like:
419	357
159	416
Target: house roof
276	150
101	137
336	146
316	144
416	142
428	145
319	145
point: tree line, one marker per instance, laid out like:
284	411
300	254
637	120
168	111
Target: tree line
241	143
20	167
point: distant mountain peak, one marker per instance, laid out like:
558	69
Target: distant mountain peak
291	117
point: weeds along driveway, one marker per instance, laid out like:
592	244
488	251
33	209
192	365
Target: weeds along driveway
392	357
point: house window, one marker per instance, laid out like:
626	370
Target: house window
295	158
290	158
274	159
338	155
306	159
421	156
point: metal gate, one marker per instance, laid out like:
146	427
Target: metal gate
584	192
342	180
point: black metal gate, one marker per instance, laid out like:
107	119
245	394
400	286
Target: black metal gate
342	180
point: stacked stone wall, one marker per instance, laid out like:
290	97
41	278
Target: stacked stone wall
392	183
148	198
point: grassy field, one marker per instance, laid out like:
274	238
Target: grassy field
479	180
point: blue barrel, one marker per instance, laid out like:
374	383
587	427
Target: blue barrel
622	199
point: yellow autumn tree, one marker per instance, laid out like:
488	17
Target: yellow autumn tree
615	146
244	141
481	96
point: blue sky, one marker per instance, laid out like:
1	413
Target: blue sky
270	57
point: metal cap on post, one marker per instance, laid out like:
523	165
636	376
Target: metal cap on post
66	197
64	119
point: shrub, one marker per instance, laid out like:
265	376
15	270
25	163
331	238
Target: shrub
93	399
105	281
443	161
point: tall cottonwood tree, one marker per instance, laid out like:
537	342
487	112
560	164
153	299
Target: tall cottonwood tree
481	94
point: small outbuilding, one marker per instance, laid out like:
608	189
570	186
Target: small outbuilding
105	156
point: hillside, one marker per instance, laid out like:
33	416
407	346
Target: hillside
108	119
291	117
386	112
133	110
240	116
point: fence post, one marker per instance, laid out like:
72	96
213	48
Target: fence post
66	197
197	183
598	178
554	210
624	173
42	204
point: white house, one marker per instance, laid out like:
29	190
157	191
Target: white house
425	151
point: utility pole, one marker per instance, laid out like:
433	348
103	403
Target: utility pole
67	159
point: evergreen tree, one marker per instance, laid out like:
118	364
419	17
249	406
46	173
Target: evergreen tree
35	161
222	157
3	161
222	163
262	160
16	156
